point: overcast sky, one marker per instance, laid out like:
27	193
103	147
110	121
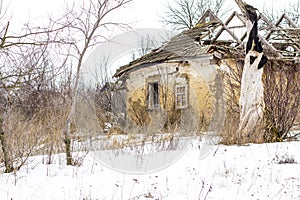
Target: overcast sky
141	13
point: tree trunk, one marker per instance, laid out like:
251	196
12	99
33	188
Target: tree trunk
252	89
7	163
251	99
67	141
71	114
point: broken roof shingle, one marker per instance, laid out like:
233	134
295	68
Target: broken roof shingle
185	44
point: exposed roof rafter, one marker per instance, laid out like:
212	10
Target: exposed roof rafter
280	42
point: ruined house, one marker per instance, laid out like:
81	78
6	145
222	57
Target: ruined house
180	86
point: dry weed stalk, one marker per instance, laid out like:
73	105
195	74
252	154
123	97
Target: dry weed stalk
282	99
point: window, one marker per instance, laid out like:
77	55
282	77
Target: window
153	96
181	96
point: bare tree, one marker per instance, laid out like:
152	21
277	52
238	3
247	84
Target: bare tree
184	14
79	29
293	11
251	103
21	67
273	13
22	80
86	24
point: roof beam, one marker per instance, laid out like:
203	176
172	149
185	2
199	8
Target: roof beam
225	27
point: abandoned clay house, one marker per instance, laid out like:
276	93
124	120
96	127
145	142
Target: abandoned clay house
180	85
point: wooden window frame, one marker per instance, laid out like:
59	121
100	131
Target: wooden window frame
181	96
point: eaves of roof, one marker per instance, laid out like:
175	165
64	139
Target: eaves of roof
185	44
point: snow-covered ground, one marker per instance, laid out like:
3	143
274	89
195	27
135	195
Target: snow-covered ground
256	171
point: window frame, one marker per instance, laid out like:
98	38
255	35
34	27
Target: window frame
182	95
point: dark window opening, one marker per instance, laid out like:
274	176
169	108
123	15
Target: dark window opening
153	95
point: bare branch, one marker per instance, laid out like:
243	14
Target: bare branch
186	13
86	27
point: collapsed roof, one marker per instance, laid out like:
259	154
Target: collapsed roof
281	40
